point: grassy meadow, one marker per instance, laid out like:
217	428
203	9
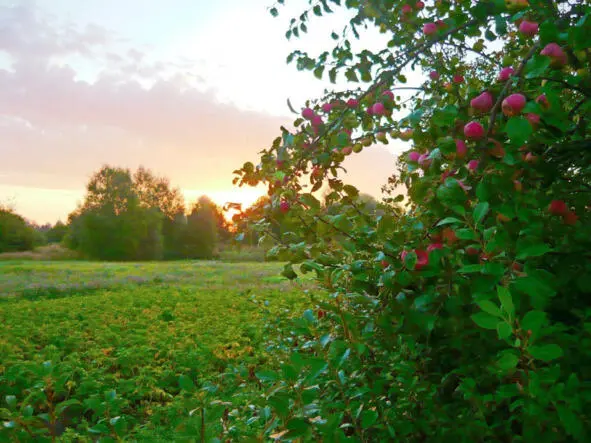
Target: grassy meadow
107	351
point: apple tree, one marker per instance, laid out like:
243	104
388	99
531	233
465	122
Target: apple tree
460	310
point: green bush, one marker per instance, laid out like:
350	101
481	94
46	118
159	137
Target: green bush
15	234
464	314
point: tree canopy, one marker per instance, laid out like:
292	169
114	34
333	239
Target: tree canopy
461	311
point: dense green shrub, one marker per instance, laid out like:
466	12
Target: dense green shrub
15	234
464	314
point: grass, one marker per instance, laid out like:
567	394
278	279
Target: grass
83	343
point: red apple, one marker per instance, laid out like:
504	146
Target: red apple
557	207
284	206
434	75
378	109
570	218
422	259
483	103
556	54
458	79
529	29
513	104
434	246
461	149
429	28
542	100
352	103
474	130
308	113
473	165
413	156
506	73
534	119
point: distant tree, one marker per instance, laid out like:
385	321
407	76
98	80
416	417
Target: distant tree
112	223
202	229
156	192
56	233
15	233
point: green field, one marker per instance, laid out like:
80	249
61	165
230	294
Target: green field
109	350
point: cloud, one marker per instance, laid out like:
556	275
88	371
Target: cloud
56	128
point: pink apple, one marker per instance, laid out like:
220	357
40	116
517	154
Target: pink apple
473	165
513	104
474	130
389	94
378	109
406	9
347	150
434	75
317	121
528	28
326	107
422	259
556	54
413	156
434	246
542	100
483	103
429	28
352	103
308	113
534	119
506	73
461	149
458	78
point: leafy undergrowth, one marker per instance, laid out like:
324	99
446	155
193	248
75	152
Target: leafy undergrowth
106	351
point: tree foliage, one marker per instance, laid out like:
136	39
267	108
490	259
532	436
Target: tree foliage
15	233
461	311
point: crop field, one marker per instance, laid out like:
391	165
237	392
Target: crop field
126	351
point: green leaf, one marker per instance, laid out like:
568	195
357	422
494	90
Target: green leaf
318	72
288	272
186	383
466	234
504	330
11	401
533	321
490	308
545	352
518	129
297	427
449	221
266	375
536	66
485	320
532	250
274	12
480	211
506	300
368	419
508	361
571	421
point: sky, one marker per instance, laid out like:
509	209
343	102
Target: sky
190	89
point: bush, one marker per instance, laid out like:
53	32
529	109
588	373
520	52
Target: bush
465	314
15	234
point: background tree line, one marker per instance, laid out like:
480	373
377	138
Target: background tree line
126	216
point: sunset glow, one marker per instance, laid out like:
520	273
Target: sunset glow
190	89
